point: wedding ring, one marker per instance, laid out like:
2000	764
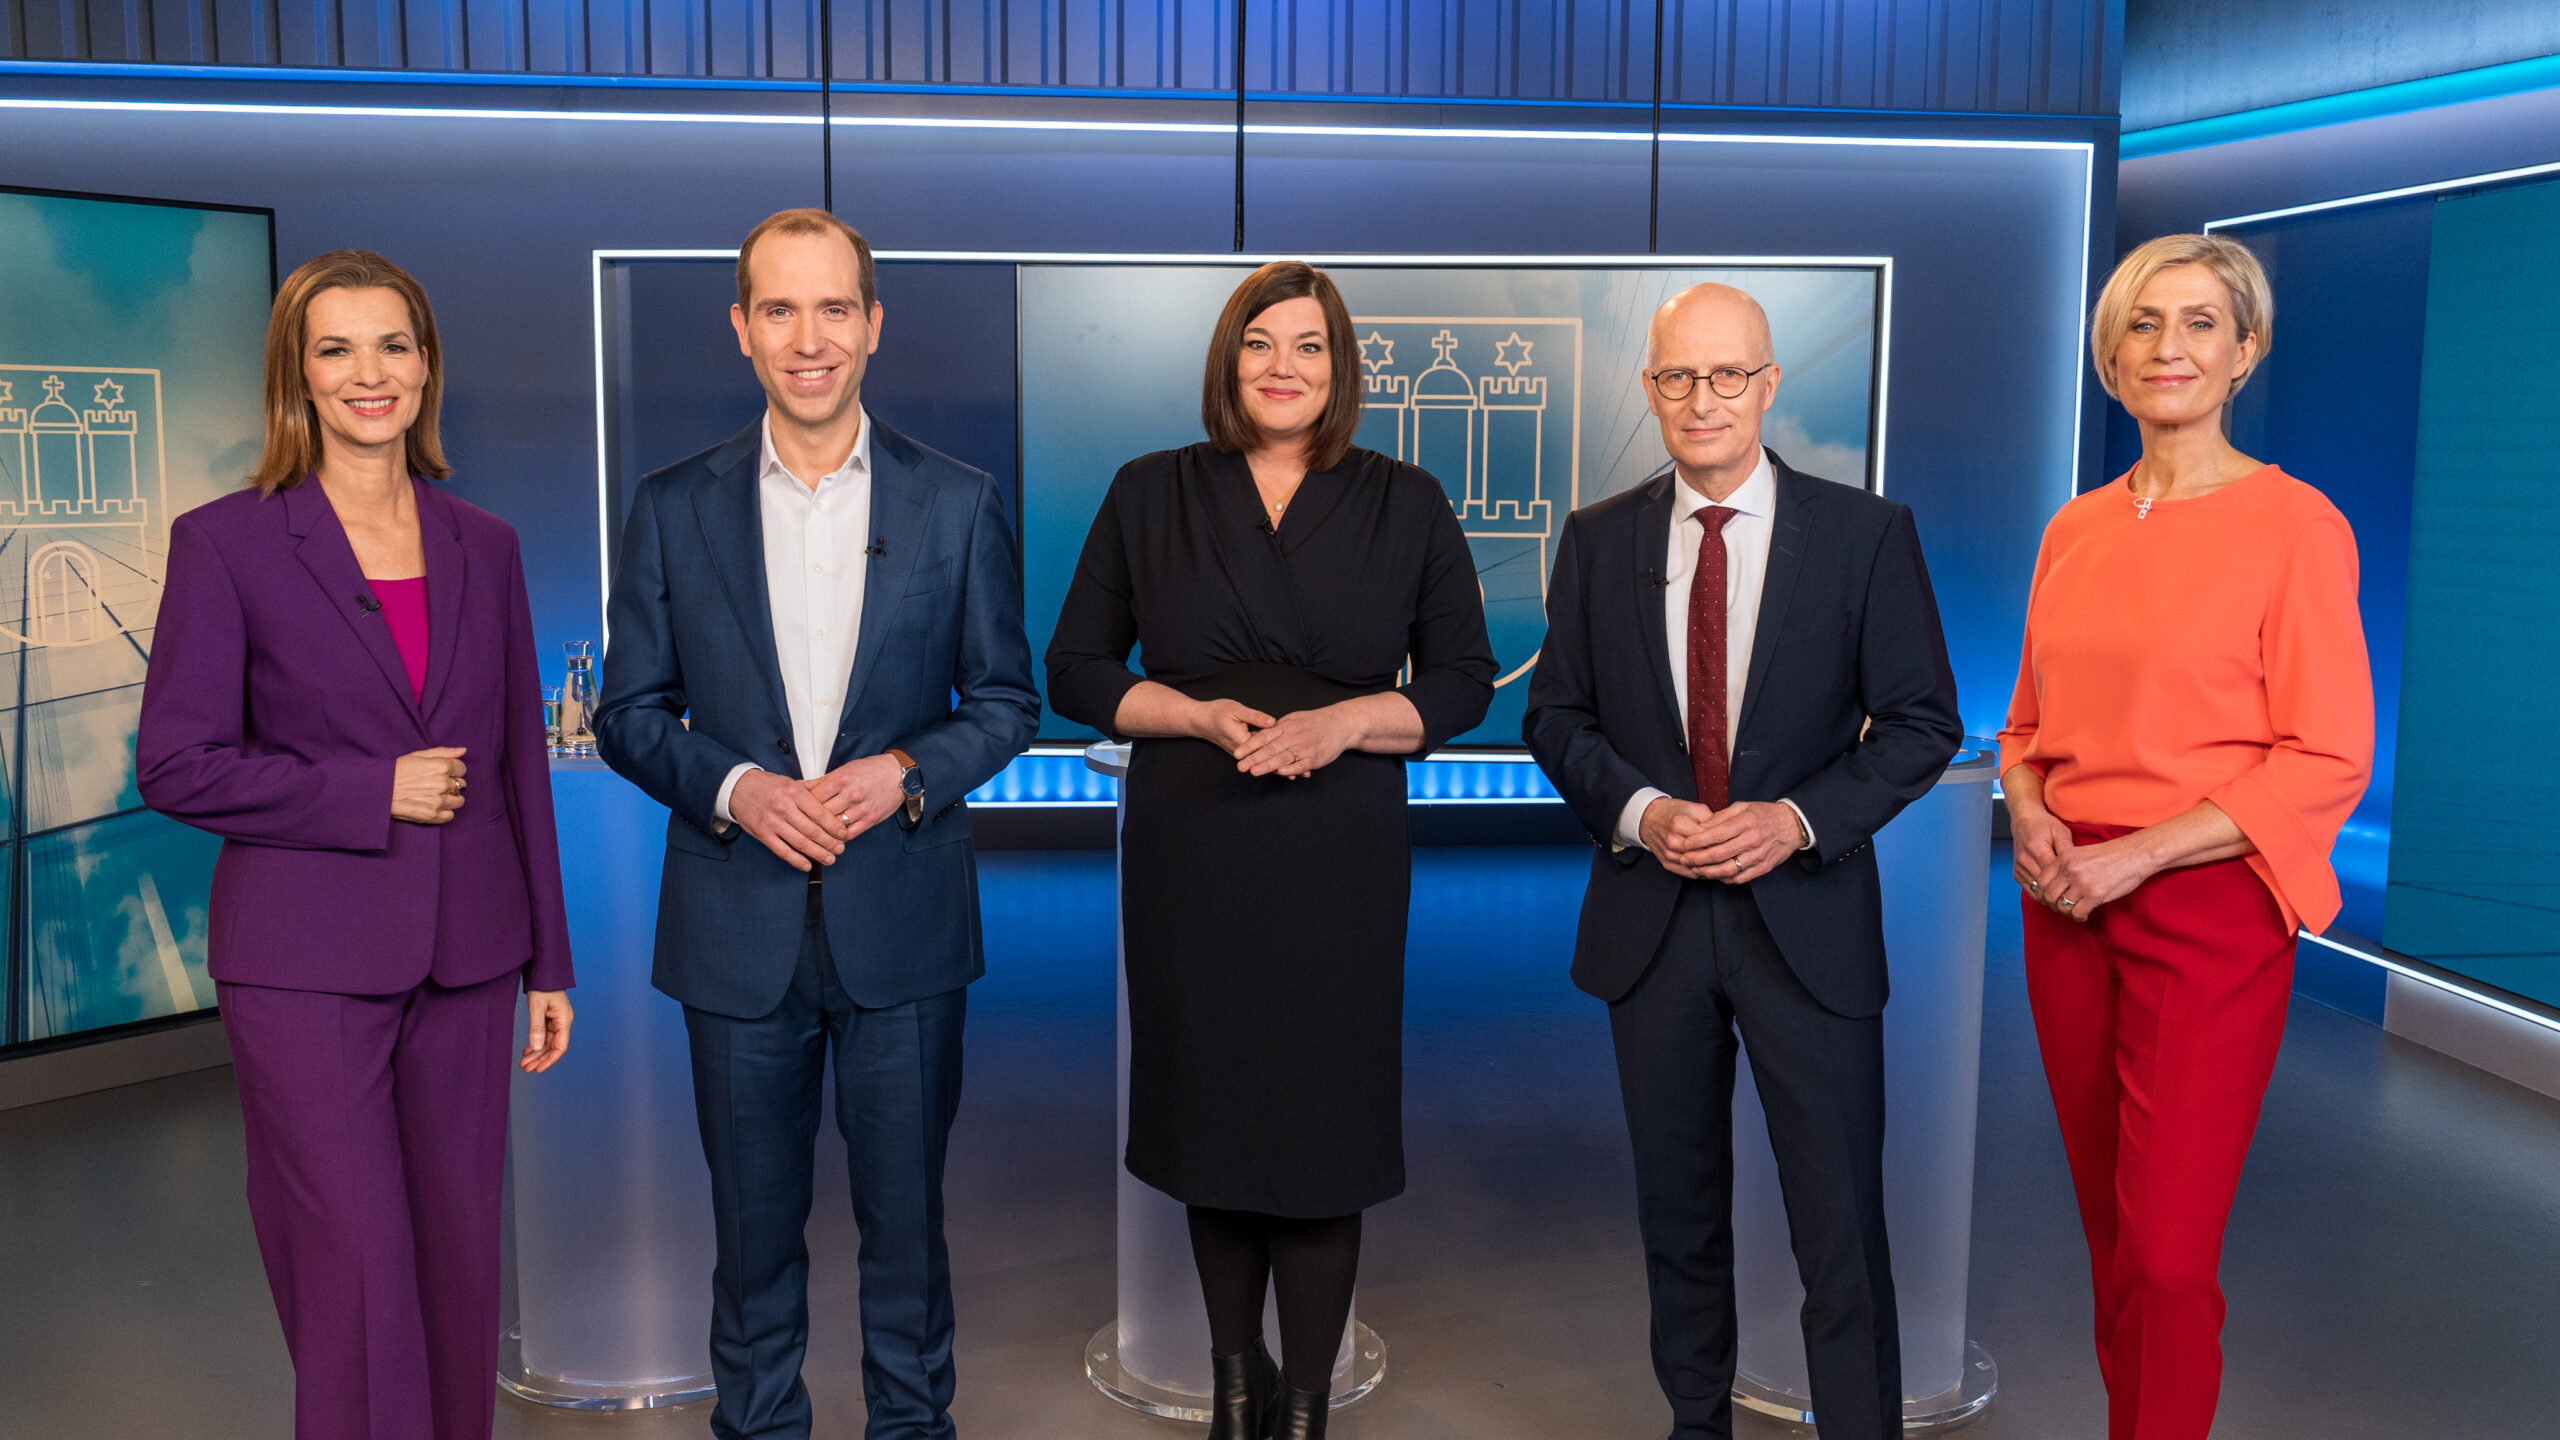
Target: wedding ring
846	818
2065	904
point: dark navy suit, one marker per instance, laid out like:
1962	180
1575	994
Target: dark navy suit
873	964
1848	710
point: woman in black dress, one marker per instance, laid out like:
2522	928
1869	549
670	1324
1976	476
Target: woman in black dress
1278	584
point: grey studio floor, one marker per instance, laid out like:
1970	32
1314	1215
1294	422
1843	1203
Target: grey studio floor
2393	1267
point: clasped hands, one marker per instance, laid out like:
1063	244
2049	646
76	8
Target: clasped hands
1293	746
2068	878
1736	845
808	822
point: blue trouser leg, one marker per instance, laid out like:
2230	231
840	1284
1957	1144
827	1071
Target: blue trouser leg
757	1091
757	1085
897	1089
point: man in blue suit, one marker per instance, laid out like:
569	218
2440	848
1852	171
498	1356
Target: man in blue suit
1743	680
817	651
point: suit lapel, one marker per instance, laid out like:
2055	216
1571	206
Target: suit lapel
900	502
1652	542
730	515
448	576
1787	536
322	547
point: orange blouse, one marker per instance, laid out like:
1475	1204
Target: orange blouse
2204	649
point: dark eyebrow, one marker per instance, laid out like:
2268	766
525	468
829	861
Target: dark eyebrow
341	339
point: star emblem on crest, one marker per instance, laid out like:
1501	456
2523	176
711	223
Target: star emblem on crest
110	393
1502	353
1377	352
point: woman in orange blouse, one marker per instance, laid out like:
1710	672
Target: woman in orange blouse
2193	723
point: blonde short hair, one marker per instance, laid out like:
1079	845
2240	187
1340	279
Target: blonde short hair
2253	304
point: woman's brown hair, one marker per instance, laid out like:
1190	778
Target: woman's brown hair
1222	411
293	424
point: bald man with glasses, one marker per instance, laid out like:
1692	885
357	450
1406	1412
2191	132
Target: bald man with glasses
1744	678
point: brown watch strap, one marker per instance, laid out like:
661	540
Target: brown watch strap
914	804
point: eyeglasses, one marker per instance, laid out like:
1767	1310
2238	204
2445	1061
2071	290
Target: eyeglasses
1725	380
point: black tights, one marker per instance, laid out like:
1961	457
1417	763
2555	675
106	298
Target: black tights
1313	1264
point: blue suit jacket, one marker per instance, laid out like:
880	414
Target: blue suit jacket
1849	711
941	670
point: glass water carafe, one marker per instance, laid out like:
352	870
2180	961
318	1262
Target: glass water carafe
578	700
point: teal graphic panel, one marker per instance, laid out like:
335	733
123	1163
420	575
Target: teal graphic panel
1518	389
130	338
2475	857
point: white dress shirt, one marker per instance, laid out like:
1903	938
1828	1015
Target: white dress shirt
1746	544
815	560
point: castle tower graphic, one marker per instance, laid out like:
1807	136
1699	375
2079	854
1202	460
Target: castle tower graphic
1476	416
1484	435
71	487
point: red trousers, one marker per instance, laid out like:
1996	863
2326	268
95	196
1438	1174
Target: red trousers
2159	1020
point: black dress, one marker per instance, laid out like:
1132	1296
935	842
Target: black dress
1263	919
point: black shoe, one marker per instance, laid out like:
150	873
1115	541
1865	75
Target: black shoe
1299	1414
1241	1401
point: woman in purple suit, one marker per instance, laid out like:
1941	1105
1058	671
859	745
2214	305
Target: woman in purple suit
342	651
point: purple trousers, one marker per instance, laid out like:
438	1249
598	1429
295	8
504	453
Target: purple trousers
377	1130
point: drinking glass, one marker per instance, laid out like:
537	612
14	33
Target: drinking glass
578	700
551	718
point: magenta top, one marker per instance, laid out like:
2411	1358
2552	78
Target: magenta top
404	607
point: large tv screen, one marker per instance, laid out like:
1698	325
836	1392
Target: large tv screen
1513	381
1515	385
130	335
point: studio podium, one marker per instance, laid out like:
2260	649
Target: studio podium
611	1240
1936	859
1154	1355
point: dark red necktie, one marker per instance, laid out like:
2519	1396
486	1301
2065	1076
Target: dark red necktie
1707	661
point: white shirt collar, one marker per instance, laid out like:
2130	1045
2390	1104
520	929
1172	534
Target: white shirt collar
770	465
1757	496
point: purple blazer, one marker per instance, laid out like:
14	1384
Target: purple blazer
275	707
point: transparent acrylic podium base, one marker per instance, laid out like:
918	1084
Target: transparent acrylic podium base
542	1389
1102	1366
1966	1402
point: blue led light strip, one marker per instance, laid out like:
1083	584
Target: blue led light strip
2486	83
1051	776
124	70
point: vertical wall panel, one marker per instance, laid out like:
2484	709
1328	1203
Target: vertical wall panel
2041	56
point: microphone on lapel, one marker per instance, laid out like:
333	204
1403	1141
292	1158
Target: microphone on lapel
368	604
1658	582
878	548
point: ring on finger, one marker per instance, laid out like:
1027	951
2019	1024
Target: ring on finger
2035	887
2065	903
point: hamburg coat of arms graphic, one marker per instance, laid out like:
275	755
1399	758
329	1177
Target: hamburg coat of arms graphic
81	504
1490	406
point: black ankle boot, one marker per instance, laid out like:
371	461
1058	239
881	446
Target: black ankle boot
1299	1414
1241	1401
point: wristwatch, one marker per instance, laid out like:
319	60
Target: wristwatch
911	783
